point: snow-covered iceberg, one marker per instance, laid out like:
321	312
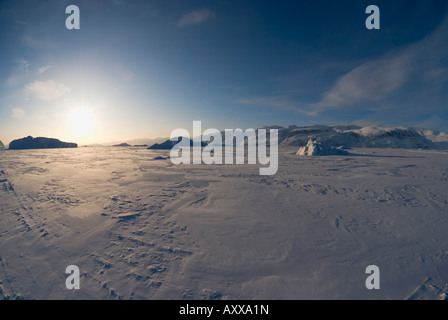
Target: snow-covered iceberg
316	148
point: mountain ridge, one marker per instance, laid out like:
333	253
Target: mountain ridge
353	136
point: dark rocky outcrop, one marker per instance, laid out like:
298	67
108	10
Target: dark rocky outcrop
122	145
2	146
168	144
39	143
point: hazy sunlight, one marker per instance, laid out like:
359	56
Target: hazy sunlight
82	122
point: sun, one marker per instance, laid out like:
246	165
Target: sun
82	122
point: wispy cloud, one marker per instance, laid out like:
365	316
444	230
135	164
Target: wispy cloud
34	42
43	69
19	72
22	65
18	113
371	81
413	71
195	17
407	82
46	90
412	67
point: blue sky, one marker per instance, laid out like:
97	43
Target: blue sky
140	69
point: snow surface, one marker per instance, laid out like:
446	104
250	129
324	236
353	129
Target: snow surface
140	228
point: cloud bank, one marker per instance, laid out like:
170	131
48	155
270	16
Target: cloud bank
43	69
46	90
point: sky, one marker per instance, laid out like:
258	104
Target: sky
142	68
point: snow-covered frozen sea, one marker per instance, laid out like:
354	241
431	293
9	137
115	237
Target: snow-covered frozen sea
140	228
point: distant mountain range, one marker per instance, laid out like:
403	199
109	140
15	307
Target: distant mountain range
329	136
121	145
168	144
141	142
351	136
